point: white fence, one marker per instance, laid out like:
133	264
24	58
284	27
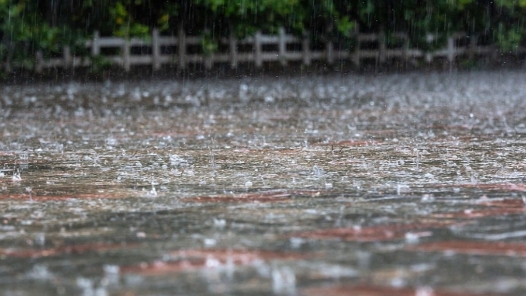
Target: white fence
237	51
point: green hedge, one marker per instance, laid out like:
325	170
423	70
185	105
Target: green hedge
30	25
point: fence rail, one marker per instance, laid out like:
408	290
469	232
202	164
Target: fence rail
257	52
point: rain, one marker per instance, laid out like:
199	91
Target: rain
307	180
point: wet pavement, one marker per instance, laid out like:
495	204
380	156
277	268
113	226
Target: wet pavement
407	184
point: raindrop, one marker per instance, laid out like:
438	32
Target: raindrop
16	176
269	99
111	273
317	171
424	291
219	223
209	242
39	239
40	272
283	281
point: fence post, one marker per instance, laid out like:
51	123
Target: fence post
95	47
356	55
382	47
7	66
429	55
282	47
232	42
126	55
156	50
209	60
329	46
66	55
472	47
451	49
181	42
405	48
305	46
39	65
330	52
208	56
257	49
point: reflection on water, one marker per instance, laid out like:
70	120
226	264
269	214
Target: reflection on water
368	183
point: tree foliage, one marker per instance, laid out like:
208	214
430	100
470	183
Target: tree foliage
30	25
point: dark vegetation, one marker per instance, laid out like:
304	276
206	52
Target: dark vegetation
27	26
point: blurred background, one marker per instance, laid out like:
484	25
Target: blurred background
33	30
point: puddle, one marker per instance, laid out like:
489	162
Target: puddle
338	184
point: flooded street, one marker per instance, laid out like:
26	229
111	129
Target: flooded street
408	184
